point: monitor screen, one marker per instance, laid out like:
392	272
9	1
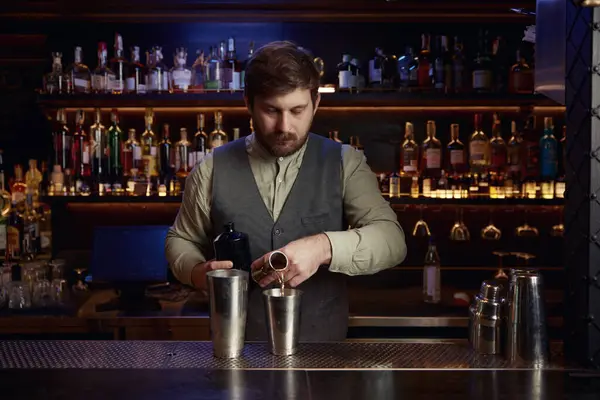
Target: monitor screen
129	254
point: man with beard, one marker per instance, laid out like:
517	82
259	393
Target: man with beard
289	190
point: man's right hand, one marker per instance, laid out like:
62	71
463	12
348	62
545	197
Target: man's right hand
200	270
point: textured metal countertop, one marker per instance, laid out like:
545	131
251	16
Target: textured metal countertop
327	356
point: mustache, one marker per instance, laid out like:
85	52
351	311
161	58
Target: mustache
284	136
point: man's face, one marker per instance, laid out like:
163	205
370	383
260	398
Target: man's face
281	123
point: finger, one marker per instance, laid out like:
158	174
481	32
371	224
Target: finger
260	262
296	280
220	265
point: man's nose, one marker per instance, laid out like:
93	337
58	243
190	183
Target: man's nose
283	122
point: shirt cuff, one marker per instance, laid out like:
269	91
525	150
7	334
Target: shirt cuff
343	244
186	263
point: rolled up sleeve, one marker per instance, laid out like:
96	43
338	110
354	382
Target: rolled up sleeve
376	240
188	240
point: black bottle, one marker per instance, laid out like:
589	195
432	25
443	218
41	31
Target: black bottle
233	246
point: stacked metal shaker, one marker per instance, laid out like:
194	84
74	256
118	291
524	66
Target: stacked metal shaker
508	318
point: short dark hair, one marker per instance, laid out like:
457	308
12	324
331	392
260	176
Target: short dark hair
279	68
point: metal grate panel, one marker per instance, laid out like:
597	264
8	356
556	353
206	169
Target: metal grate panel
172	355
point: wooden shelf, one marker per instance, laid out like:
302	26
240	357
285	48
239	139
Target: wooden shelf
57	200
368	100
179	11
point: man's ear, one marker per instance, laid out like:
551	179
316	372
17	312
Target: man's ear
317	101
247	104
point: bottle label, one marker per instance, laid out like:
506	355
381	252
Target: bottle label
409	160
374	72
235	81
532	151
513	159
18	197
153	151
394	186
431	280
498	158
482	79
137	153
99	82
85	157
182	79
457	157
345	79
434	158
478	149
83	84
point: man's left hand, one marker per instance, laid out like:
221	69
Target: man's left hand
304	258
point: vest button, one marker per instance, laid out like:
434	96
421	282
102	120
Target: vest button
277	232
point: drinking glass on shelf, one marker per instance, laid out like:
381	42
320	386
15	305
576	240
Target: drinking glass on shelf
558	230
523	258
526	230
491	232
459	231
19	295
500	274
80	285
42	294
421	228
57	268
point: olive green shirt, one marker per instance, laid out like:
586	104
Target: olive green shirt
374	242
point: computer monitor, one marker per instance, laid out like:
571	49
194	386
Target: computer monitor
129	254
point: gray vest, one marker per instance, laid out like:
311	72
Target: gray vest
314	205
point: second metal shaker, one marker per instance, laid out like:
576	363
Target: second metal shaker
527	337
486	319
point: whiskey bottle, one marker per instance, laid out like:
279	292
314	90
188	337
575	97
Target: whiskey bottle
233	68
18	189
432	274
33	179
157	80
514	155
132	154
80	160
200	142
497	147
103	78
115	135
149	151
98	148
198	73
345	76
62	140
409	159
460	74
218	137
479	148
165	151
548	159
431	166
520	76
55	82
182	154
456	159
212	71
181	76
136	79
79	74
482	66
119	66
424	69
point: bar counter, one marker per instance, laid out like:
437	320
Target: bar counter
344	370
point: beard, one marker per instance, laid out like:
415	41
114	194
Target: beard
281	144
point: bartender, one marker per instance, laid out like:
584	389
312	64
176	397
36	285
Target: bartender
289	190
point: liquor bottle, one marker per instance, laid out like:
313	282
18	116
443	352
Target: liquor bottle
408	69
30	230
500	72
182	154
103	78
55	82
233	68
424	69
431	166
80	157
119	66
482	66
456	160
149	151
200	142
62	140
225	80
345	76
181	76
514	153
245	63
218	137
33	179
409	152
18	188
520	76
212	71
432	274
98	148
114	150
497	147
198	73
335	136
548	159
233	246
5	197
157	80
132	154
358	79
442	66
58	181
531	144
394	184
79	74
460	73
136	79
376	69
562	164
14	232
45	232
355	142
165	151
479	148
